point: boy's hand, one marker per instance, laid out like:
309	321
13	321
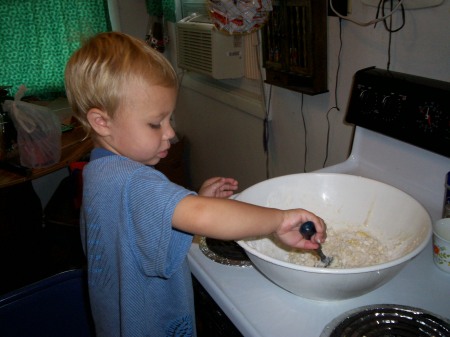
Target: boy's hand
218	187
289	231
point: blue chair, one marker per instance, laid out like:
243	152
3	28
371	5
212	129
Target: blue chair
54	307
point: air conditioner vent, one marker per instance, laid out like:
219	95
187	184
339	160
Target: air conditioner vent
201	48
196	50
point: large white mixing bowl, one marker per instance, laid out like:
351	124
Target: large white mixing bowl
342	200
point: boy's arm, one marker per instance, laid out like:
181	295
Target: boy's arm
234	220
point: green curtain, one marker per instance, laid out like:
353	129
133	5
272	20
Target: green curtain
38	36
162	8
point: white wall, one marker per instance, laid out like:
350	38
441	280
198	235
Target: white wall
421	48
227	141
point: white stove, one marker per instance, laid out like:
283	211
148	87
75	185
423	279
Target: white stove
402	138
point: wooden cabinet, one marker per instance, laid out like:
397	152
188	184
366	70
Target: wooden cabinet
295	46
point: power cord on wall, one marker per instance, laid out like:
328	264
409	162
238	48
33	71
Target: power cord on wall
266	107
371	22
380	7
336	105
389	28
266	134
305	158
383	18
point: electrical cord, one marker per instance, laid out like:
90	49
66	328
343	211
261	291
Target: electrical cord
305	159
380	7
369	23
266	107
389	28
336	105
267	134
388	65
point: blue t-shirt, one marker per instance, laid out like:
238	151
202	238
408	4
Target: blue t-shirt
139	279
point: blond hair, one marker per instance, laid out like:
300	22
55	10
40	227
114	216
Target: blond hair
97	73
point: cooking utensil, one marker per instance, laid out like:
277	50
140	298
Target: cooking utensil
308	230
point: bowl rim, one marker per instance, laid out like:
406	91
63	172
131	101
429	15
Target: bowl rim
320	270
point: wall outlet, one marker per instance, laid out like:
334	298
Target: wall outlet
339	5
408	4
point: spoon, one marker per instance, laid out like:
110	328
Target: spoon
307	230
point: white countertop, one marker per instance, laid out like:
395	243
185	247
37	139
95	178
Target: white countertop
257	307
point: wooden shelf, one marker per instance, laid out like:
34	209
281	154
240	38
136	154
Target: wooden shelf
73	147
295	46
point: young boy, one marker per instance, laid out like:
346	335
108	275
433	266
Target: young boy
136	225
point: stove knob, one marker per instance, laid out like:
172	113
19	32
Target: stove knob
368	101
390	107
367	97
388	103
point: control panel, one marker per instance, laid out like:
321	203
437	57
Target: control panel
406	107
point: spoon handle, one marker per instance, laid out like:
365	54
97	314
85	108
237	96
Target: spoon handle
307	230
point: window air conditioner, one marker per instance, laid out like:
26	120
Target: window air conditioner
201	48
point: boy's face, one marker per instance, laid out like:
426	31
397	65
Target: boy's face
141	129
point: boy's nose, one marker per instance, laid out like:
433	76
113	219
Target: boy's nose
169	133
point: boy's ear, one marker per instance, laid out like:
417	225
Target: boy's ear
99	121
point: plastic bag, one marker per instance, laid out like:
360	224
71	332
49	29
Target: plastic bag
239	16
38	132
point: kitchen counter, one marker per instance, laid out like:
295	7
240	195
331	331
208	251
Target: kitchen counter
257	307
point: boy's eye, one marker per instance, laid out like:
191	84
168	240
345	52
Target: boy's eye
155	126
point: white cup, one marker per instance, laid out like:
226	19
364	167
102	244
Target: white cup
441	244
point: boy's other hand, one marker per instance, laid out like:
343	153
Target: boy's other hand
218	187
